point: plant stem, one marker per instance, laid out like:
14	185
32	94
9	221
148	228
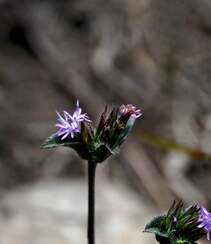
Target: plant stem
162	240
91	202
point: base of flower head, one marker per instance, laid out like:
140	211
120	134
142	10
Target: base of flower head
178	225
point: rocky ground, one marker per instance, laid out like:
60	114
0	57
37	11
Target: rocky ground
54	212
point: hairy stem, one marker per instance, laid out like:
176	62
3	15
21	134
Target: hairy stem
91	202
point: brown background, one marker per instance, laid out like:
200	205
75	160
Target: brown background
154	54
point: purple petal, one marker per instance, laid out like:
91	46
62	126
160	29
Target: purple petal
208	235
205	220
66	135
60	117
60	133
200	225
67	116
61	126
77	113
70	124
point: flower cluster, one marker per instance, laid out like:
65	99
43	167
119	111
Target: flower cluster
205	221
70	124
96	145
181	225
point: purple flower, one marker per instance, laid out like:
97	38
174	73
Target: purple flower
70	124
205	221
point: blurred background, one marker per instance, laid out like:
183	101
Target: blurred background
153	54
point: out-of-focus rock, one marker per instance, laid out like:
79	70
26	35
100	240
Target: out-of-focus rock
55	212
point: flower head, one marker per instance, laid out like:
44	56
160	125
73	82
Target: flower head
179	225
205	221
70	124
94	144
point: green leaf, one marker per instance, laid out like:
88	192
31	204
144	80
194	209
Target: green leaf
155	226
53	141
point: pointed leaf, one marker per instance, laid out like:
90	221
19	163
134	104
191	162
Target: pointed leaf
102	122
54	141
86	133
155	226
